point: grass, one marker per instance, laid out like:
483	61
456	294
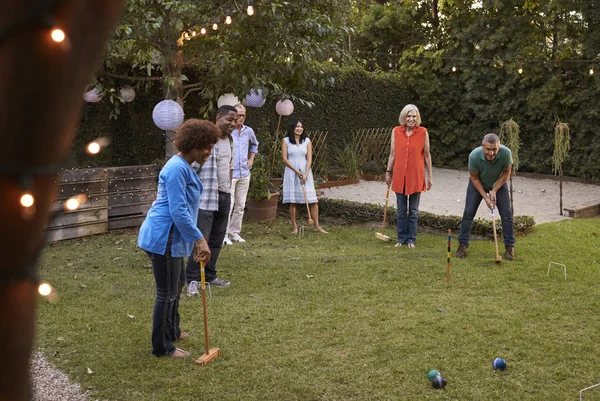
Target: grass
337	317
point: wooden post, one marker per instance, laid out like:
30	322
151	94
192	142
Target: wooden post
41	108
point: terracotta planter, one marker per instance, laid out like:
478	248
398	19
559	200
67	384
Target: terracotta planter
264	210
277	182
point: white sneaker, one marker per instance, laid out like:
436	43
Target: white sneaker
192	289
237	238
227	241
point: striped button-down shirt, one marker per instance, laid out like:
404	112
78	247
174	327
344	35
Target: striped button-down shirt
209	200
246	143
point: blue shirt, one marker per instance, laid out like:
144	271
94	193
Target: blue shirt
179	190
245	143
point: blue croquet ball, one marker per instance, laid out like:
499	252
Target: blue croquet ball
499	364
432	374
439	382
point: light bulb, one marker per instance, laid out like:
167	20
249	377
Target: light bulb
228	20
215	26
27	199
520	70
203	31
453	69
45	289
72	204
592	71
93	148
58	35
193	33
330	59
250	10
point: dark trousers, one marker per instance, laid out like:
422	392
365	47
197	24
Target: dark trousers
168	275
472	204
213	225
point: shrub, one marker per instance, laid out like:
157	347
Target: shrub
356	212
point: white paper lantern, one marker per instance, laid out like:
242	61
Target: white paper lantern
284	107
255	98
228	99
167	115
92	96
127	93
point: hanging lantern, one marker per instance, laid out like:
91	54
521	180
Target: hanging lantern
92	96
167	115
228	99
127	93
255	98
284	107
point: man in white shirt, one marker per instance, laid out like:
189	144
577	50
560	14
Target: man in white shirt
246	146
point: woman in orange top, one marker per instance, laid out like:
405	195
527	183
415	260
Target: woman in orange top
409	155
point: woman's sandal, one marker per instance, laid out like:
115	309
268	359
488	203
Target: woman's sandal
179	353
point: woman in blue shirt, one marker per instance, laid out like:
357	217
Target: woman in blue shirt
169	232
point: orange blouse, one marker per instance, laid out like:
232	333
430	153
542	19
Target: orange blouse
409	163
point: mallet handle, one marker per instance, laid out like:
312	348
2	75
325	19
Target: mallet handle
387	195
204	309
495	237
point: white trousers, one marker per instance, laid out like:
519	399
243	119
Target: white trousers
239	191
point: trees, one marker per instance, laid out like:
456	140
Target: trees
41	107
275	49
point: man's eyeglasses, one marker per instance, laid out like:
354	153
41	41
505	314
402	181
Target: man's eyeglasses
241	115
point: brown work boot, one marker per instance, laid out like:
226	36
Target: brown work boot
509	252
461	252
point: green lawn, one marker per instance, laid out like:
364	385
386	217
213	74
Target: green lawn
337	317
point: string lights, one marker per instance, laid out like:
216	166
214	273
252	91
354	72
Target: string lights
454	63
250	9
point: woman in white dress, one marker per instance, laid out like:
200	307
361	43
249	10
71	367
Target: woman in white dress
296	152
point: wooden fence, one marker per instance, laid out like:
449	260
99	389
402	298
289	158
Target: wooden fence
117	197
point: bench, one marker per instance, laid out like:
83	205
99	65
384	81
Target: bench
588	209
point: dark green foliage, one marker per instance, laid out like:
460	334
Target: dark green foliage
361	99
356	212
135	140
260	180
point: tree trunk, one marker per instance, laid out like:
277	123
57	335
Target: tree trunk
40	110
560	195
173	68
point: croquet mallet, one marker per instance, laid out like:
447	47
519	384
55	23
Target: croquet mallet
382	235
498	258
211	353
310	220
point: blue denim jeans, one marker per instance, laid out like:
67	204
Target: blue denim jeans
168	275
213	225
408	220
472	204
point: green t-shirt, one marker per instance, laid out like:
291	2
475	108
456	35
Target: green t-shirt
489	172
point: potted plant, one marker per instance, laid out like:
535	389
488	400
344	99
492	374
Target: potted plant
262	199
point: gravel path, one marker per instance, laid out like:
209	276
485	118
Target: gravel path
50	384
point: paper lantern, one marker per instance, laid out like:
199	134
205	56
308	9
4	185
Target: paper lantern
127	93
167	115
255	98
228	99
92	96
284	107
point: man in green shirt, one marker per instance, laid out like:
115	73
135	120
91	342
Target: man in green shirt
489	167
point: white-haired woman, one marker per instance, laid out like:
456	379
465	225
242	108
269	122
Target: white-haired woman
409	157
